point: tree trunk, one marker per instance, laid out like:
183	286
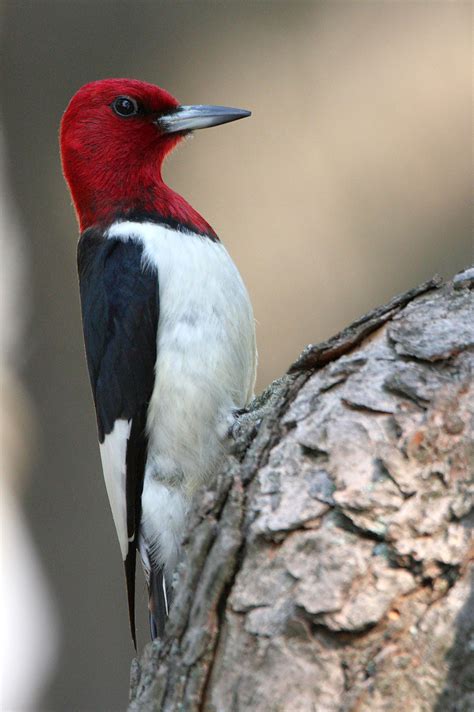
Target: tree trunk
328	567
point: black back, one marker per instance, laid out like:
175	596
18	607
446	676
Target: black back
120	310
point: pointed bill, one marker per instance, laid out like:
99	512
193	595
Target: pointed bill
200	116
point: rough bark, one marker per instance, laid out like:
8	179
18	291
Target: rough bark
328	568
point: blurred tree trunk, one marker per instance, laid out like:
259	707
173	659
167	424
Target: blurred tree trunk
327	570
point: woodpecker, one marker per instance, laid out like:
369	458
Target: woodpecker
168	324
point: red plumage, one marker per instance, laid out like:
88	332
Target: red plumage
113	165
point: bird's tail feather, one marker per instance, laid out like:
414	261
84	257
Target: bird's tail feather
130	563
158	602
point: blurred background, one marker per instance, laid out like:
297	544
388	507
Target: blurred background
350	183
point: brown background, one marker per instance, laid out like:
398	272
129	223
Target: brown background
351	182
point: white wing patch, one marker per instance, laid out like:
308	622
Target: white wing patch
113	452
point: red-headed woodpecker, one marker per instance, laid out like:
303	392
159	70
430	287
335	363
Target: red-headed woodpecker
168	324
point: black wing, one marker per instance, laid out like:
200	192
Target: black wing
120	310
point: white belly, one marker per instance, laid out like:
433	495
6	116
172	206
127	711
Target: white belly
205	368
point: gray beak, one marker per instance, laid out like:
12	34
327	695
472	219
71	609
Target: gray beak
189	118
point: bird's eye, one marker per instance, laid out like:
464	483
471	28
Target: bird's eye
125	106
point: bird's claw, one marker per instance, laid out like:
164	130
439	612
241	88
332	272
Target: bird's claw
244	428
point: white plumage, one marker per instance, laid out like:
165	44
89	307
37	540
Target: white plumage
205	369
112	453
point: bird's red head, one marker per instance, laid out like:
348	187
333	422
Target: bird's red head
115	135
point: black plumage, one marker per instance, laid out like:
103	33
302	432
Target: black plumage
120	311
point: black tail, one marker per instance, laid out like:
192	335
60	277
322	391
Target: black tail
136	460
130	564
158	603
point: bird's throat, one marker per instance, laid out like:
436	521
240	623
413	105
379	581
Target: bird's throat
110	198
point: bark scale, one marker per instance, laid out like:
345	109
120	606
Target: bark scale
328	568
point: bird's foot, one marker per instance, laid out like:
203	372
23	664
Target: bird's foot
243	429
244	423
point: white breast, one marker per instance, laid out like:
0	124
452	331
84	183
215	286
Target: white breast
206	355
